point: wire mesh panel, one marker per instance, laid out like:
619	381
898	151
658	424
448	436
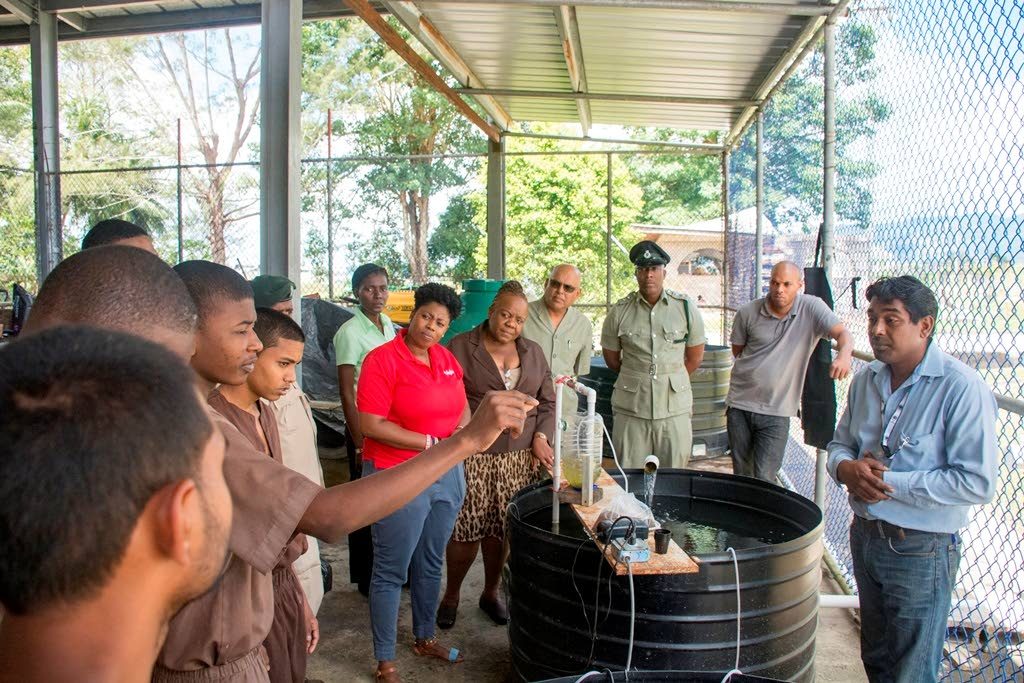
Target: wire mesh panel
929	183
17	228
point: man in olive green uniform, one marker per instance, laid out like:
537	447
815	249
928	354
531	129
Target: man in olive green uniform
565	334
654	338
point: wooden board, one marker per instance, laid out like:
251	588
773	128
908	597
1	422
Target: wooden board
675	561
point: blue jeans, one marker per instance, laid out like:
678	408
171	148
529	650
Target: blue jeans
905	587
757	443
410	543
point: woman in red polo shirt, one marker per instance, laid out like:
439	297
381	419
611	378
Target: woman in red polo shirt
411	395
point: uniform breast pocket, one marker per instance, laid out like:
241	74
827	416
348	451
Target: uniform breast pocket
674	334
915	452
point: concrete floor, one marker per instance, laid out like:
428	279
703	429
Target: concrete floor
346	654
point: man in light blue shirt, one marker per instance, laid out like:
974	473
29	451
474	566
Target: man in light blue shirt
916	448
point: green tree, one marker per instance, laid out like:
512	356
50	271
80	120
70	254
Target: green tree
555	212
452	246
17	236
389	112
793	133
679	187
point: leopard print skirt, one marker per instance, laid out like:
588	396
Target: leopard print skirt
492	479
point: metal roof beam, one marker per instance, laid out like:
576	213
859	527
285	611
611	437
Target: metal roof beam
393	40
569	33
163	22
74	20
777	8
609	97
57	6
784	68
437	45
694	146
23	11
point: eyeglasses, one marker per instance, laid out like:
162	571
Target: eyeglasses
556	285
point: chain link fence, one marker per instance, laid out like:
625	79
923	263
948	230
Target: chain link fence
930	183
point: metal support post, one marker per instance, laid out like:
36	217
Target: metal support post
725	236
828	209
46	143
496	209
330	201
829	160
759	201
181	227
608	239
280	148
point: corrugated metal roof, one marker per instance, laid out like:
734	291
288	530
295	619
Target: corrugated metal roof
722	53
626	52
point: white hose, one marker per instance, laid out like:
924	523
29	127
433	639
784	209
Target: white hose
625	482
632	617
736	666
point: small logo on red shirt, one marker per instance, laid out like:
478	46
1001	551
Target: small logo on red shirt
449	372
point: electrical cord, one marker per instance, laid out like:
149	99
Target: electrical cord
625	481
739	612
632	616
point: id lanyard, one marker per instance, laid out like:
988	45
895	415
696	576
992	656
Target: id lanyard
892	422
887	433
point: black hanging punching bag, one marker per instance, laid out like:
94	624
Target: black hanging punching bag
818	402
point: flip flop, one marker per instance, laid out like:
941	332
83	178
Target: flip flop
446	616
495	610
424	648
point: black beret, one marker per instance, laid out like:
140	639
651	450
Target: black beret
648	253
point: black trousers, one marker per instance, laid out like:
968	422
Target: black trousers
360	544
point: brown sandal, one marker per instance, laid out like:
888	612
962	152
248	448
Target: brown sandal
381	674
425	648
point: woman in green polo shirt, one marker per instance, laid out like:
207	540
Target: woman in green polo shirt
367	329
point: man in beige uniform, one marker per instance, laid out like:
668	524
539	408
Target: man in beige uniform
654	339
298	446
565	334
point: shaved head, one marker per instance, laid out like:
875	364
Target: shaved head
121	288
564	269
789	270
786	282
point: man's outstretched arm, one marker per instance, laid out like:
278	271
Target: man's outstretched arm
341	509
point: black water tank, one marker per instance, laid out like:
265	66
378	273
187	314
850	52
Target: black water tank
709	382
663	677
683	622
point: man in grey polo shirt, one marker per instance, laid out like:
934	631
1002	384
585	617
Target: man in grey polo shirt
772	340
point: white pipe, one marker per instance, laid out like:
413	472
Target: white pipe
841	601
556	470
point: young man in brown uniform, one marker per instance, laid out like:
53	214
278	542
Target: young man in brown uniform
106	530
219	636
127	289
294	631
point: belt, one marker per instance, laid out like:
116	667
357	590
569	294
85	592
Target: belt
883	529
653	369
